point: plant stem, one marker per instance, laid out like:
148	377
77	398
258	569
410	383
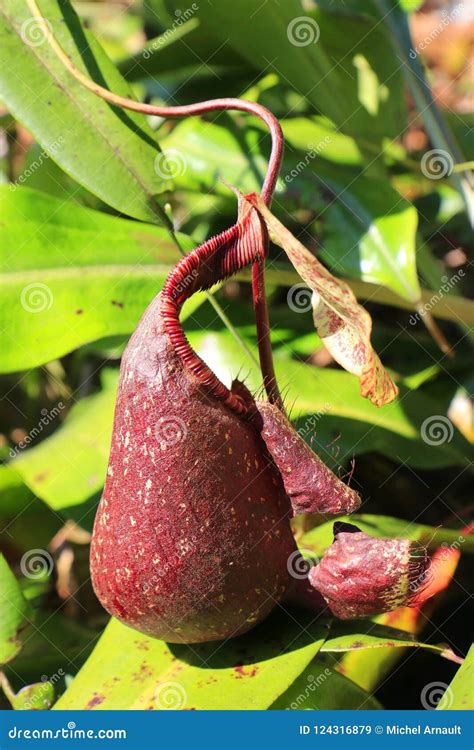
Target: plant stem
263	333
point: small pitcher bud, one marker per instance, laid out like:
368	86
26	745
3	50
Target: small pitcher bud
360	575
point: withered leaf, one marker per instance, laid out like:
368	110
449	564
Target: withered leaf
343	325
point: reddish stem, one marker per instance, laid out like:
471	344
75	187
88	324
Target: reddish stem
263	335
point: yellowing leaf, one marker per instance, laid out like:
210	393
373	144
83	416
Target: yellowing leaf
343	324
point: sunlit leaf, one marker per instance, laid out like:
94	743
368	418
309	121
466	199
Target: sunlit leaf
365	634
459	694
110	152
315	51
15	613
70	275
70	465
38	696
320	688
127	670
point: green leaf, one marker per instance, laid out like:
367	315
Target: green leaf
459	695
108	151
318	539
210	153
70	275
56	646
182	47
319	52
42	173
69	466
362	634
318	132
38	696
14	496
320	688
15	613
409	6
370	234
127	670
